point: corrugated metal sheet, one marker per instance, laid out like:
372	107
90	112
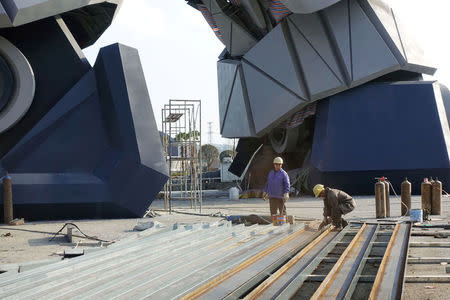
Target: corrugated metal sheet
157	264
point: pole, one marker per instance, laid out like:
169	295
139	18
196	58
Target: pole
7	199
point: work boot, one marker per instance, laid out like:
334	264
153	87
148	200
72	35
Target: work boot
337	222
344	223
337	228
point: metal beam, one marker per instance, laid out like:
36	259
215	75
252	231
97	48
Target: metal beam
390	277
428	260
264	285
341	276
430	244
247	286
427	279
298	281
209	285
365	259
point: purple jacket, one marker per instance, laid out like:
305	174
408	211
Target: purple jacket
277	184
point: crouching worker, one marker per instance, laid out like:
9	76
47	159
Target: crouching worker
335	204
277	188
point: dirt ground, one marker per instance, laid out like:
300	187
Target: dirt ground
28	245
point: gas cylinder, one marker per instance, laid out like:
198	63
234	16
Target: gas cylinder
436	197
406	197
380	202
386	198
425	189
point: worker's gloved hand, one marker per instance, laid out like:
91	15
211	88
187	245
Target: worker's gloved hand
265	196
325	222
322	225
286	197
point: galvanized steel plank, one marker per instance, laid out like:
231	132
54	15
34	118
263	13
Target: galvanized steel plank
297	282
362	264
65	274
89	279
278	276
338	280
148	270
390	277
252	282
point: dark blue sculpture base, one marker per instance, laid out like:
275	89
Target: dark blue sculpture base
96	153
70	211
395	130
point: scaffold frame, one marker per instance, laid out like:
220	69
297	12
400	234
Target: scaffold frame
182	143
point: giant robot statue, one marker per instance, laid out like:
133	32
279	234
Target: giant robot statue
335	86
79	141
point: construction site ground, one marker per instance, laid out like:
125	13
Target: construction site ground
30	243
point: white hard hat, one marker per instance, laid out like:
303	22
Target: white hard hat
278	160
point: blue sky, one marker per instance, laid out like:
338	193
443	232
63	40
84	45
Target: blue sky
179	51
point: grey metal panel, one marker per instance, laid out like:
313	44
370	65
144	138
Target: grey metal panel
157	264
4	18
236	122
212	6
307	6
242	41
417	61
226	72
26	11
314	31
339	28
254	10
381	16
268	101
272	56
236	39
224	26
371	57
319	77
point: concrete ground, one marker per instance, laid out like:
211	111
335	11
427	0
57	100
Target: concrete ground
30	242
300	207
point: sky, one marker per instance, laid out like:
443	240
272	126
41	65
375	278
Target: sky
179	51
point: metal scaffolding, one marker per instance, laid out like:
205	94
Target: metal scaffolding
181	135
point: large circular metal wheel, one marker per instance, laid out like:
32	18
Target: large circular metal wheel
17	85
6	83
284	139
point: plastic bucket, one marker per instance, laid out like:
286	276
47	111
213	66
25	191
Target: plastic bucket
416	215
279	220
234	193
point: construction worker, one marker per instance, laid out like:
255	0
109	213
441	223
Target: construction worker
335	204
277	188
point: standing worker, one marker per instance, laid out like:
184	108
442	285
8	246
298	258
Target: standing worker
335	204
277	188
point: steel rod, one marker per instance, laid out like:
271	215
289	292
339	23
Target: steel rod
390	277
247	286
264	285
298	281
365	259
341	275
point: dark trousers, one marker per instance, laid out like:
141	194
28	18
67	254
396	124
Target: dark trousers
277	204
339	211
